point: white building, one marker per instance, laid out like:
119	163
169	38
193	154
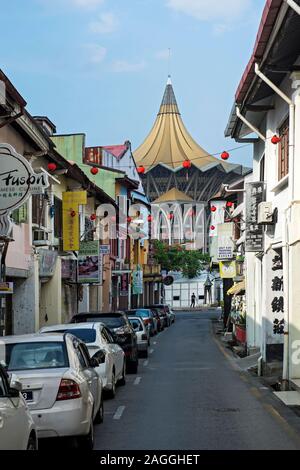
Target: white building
267	104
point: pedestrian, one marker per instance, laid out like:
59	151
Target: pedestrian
193	300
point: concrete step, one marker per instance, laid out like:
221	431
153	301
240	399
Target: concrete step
295	383
290	398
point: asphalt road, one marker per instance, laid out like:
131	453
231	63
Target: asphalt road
188	396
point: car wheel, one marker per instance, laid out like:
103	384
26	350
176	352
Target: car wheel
100	415
112	392
32	443
122	381
87	442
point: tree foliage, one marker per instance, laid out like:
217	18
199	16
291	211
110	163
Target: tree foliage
177	258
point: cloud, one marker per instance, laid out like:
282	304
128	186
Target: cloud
105	24
211	10
96	53
164	54
125	66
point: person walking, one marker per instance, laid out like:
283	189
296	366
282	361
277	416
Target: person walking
193	300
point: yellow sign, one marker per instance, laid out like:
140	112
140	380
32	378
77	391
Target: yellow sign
227	269
71	229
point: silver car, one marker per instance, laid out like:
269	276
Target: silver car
59	382
142	335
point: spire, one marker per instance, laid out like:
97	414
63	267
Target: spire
169	103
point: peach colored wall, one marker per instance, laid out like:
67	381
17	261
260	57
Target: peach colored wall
18	255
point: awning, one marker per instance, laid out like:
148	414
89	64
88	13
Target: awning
237	288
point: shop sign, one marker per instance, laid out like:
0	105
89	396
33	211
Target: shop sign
104	249
227	269
71	200
225	241
6	288
18	182
137	281
69	269
47	262
275	298
89	263
255	194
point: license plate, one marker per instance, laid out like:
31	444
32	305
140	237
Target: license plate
28	395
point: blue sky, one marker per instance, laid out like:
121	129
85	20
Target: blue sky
100	66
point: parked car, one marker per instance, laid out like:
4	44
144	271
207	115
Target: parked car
142	335
147	315
125	336
162	314
17	428
159	319
172	315
59	382
102	346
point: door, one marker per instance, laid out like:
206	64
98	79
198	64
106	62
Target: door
117	352
13	419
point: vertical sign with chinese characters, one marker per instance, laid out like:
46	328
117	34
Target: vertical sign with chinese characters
255	194
71	202
275	304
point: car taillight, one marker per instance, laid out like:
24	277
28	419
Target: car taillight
146	321
144	337
68	390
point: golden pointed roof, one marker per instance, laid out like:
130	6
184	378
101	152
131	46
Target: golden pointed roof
169	141
173	195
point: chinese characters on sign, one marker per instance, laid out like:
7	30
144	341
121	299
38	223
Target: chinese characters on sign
71	202
225	241
255	194
89	263
275	298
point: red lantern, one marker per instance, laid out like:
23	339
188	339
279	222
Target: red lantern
170	216
191	213
212	227
113	218
141	170
213	208
187	164
93	217
225	155
150	218
129	219
229	204
275	139
94	170
73	213
52	166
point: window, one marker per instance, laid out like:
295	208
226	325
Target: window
57	217
39	210
29	356
283	156
3	385
262	169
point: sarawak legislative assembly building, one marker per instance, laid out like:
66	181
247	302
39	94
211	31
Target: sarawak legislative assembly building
175	169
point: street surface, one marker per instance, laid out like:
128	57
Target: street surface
187	395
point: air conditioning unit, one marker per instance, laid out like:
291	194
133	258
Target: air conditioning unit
40	238
265	213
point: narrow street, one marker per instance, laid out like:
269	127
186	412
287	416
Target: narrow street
188	396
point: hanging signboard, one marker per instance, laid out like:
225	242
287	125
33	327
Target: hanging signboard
17	182
225	241
71	200
89	263
137	281
274	315
104	249
68	269
255	194
124	287
47	262
227	269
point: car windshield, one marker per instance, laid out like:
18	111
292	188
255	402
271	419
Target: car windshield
113	322
141	313
88	335
43	355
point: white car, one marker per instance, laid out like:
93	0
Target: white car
59	382
17	428
102	346
142	335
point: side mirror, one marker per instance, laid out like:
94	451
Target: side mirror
14	383
94	362
99	356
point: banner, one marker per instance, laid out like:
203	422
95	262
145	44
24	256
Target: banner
255	194
227	269
124	287
71	201
225	241
89	263
137	281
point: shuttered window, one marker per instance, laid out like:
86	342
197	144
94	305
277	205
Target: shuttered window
283	157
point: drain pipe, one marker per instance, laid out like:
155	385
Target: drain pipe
293	5
285	248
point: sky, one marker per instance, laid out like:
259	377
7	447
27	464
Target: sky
100	66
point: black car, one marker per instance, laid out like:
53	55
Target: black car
123	332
